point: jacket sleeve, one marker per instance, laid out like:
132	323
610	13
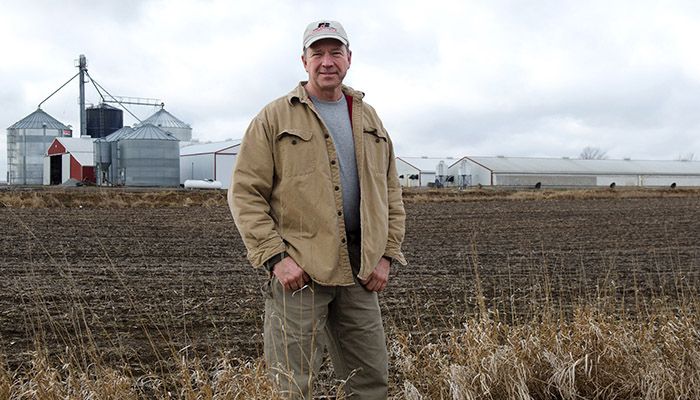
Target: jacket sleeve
397	213
249	195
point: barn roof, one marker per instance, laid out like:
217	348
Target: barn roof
85	159
426	164
209	148
76	145
529	165
81	149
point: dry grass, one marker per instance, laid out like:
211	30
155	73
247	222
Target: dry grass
593	356
412	195
48	378
110	198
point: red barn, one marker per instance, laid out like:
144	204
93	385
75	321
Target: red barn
69	158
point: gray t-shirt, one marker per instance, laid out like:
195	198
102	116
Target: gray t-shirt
335	115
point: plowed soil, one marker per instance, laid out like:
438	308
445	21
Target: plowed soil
141	284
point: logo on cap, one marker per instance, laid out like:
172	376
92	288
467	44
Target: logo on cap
325	26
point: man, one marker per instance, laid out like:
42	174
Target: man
316	198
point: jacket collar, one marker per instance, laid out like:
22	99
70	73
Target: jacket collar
299	94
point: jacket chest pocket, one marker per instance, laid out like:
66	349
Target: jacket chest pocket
376	148
296	153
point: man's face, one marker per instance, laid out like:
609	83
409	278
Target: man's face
327	61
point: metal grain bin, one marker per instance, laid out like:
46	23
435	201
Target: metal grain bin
27	142
149	156
171	124
103	119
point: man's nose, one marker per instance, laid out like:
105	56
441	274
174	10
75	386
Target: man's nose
327	60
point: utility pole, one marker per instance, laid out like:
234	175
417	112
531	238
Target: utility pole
82	66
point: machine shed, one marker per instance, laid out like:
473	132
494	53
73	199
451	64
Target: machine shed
423	171
69	158
209	161
567	172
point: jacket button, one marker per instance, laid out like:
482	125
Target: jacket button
295	141
340	213
376	140
327	136
332	162
337	188
342	240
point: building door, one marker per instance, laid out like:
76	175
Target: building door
56	166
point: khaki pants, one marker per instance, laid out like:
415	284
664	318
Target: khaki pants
345	318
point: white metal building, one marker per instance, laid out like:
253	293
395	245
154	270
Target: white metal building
566	172
422	171
209	161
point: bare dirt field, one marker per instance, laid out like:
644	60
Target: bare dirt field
140	283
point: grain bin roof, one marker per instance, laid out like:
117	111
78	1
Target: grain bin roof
148	132
118	134
164	119
527	165
37	120
208	148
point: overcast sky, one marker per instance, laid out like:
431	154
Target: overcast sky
448	78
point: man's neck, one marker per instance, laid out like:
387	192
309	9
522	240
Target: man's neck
325	95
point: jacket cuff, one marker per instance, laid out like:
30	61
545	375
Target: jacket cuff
396	255
265	251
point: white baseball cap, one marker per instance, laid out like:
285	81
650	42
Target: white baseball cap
325	30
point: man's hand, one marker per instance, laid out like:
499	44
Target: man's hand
378	279
290	274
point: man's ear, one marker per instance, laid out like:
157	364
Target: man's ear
303	61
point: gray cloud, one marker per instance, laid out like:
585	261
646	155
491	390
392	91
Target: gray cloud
449	78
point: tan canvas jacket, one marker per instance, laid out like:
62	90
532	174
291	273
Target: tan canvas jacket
286	194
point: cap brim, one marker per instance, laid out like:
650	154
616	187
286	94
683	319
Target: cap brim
319	37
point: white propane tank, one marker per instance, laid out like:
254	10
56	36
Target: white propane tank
202	184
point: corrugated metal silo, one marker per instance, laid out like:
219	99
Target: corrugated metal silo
107	157
149	156
103	119
170	123
103	157
27	141
103	161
